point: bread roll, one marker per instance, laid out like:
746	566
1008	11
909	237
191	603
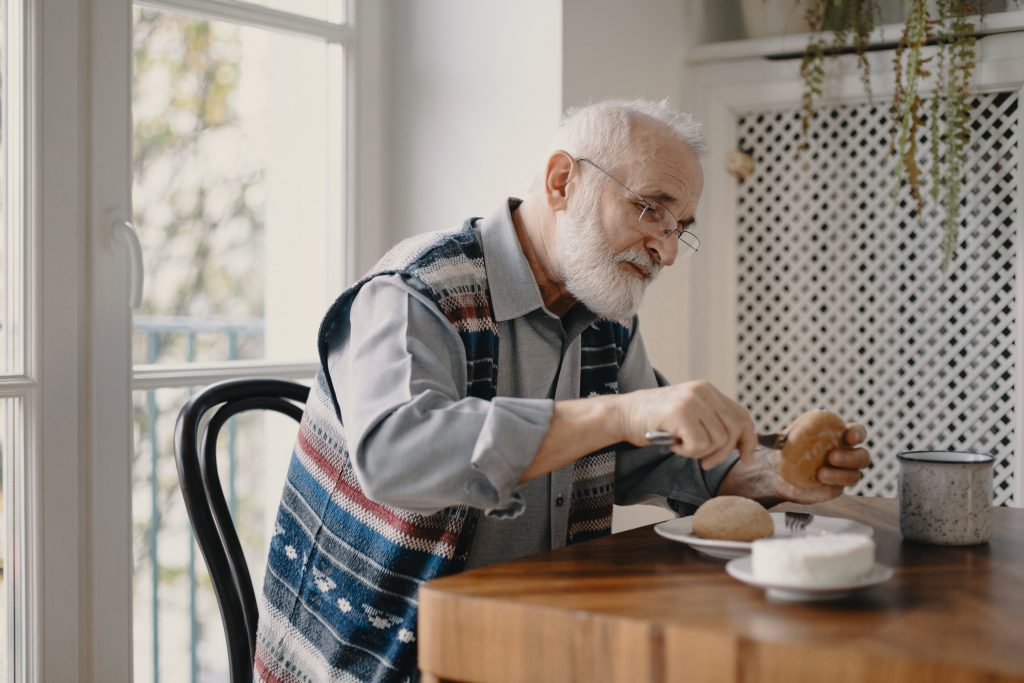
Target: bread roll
808	440
732	518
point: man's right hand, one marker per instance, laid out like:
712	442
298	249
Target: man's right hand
708	424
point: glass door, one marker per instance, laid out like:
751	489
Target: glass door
18	387
239	205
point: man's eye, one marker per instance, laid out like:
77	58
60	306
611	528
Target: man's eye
651	213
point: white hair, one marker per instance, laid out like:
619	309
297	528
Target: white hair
603	131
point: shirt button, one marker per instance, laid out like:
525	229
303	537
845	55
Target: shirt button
559	500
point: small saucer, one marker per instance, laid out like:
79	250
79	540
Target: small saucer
740	568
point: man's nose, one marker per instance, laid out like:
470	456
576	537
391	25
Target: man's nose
663	249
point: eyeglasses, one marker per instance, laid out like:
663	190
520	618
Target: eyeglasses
655	214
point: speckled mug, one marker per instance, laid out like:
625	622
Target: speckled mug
946	497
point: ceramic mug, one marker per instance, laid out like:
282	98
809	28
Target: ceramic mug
945	497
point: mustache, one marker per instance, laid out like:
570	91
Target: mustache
639	258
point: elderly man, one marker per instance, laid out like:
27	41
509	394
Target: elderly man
484	394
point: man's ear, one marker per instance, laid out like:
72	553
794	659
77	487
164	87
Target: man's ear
559	173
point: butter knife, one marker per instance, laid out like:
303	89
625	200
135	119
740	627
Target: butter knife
659	438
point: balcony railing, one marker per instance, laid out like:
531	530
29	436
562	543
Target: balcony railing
157	338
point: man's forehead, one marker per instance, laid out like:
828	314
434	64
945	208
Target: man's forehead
669	179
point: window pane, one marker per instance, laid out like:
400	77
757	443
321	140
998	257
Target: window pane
3	197
11	453
178	630
327	10
11	223
237	188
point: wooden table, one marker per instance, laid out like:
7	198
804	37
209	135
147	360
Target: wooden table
636	607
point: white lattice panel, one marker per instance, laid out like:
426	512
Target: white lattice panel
841	300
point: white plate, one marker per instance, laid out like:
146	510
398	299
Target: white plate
740	568
681	530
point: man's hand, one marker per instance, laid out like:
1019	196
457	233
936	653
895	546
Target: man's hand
708	424
759	478
842	468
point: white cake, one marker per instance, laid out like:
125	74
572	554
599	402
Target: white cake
812	560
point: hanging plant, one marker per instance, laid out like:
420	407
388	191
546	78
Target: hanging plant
956	65
905	110
851	23
948	117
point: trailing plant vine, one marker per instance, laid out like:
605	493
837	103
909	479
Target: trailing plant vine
851	23
948	112
905	110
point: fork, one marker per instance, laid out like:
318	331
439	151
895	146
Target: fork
796	522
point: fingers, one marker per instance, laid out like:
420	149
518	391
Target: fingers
821	494
709	425
724	437
695	439
748	438
855	434
742	434
850	459
737	426
841	478
717	430
844	466
731	431
715	460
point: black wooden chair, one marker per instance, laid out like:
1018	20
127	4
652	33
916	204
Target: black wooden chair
195	449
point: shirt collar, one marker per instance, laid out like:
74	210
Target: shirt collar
514	290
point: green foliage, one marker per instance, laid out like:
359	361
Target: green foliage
948	117
199	209
193	170
958	51
905	110
851	23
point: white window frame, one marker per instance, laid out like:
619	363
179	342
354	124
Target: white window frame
78	379
21	596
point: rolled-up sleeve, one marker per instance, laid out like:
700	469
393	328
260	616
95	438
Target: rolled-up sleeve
653	475
416	441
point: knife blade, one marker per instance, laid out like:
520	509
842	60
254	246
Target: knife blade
659	438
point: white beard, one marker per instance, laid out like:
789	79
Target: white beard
592	274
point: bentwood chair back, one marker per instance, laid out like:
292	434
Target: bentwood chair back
195	449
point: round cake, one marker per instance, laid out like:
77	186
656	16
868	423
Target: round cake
732	518
808	441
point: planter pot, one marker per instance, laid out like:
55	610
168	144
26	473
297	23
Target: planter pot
764	18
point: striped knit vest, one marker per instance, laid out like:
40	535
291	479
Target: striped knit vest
340	595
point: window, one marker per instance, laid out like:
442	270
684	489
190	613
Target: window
239	203
17	390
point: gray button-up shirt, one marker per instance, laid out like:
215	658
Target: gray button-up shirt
419	443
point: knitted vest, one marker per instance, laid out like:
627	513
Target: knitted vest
340	595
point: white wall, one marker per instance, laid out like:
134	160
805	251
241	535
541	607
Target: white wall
476	90
636	49
474	96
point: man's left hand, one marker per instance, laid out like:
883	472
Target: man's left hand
759	477
842	468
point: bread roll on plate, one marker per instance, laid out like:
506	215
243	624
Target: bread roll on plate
732	518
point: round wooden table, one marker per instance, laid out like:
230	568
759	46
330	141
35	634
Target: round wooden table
636	607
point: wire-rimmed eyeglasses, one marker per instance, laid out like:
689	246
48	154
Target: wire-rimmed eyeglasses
655	213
